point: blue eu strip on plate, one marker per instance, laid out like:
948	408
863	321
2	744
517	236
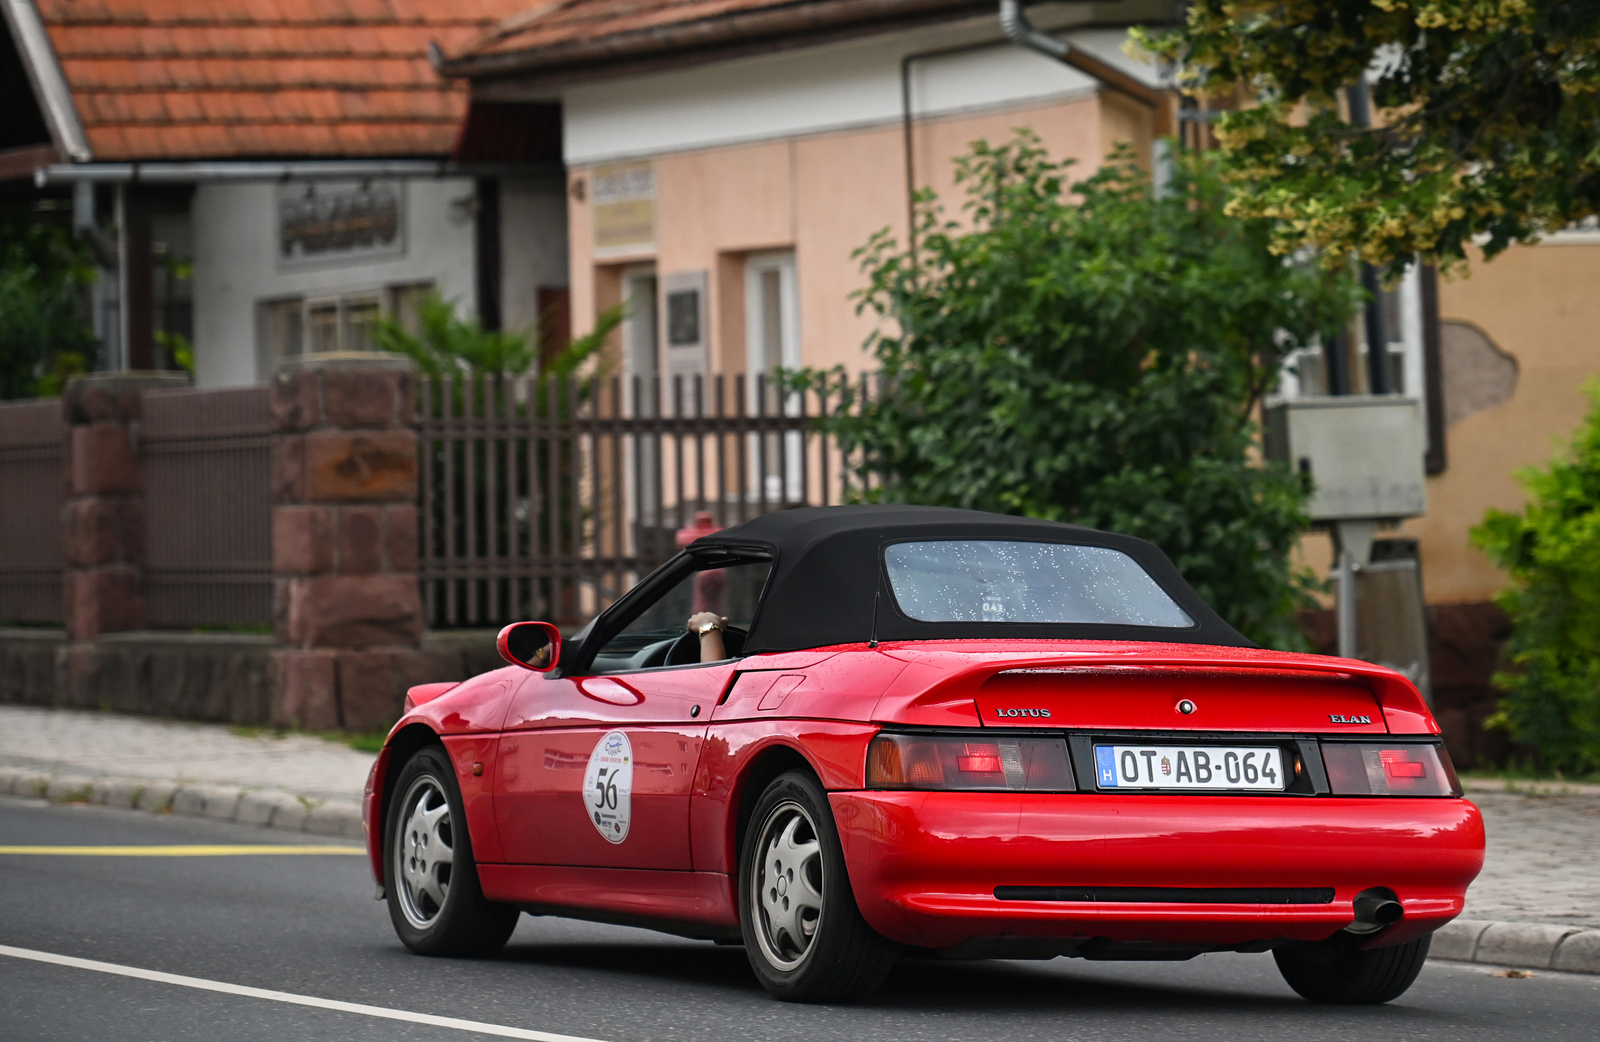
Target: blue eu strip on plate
1105	763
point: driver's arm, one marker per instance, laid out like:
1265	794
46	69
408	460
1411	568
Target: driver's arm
711	647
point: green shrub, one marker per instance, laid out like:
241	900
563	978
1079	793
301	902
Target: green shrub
1552	550
43	337
1094	353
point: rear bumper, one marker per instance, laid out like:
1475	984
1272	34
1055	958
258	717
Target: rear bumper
924	867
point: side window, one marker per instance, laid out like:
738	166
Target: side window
731	589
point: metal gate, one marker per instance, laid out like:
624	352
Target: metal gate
550	498
32	493
207	463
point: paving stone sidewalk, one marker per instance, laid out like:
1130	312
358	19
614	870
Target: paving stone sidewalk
1537	903
294	782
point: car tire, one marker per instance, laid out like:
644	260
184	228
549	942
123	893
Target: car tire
1339	971
435	902
803	933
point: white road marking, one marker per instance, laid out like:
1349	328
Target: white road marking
200	984
186	850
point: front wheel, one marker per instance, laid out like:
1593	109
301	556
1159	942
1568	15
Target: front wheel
804	936
1338	971
435	902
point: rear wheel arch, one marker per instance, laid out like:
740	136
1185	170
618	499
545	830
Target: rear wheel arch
759	773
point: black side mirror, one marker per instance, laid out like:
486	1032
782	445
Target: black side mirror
531	645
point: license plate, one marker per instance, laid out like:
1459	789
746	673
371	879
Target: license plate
1188	767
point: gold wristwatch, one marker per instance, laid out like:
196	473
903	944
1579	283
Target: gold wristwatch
714	626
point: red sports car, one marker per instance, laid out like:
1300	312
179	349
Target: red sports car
836	735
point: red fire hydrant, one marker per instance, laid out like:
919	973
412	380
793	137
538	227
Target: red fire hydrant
711	583
702	525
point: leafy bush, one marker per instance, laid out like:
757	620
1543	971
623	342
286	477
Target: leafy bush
1095	354
1552	550
43	338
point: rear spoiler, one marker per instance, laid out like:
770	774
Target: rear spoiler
928	692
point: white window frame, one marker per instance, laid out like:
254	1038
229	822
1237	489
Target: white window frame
641	357
789	485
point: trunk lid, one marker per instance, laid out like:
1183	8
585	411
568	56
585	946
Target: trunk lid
1174	698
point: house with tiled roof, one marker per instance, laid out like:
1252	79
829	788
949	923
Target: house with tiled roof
265	177
725	157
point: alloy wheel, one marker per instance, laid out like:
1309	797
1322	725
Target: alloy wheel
424	852
787	885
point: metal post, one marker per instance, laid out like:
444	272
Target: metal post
1352	545
1347	604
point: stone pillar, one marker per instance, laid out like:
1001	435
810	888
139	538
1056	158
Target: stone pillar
103	517
347	608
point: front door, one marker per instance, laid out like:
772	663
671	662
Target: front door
596	767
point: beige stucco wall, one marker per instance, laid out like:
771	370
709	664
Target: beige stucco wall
821	195
1539	305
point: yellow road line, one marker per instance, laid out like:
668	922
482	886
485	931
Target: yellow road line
195	850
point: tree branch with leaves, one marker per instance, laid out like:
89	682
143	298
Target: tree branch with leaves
1489	128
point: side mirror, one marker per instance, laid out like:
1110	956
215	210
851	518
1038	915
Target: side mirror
531	645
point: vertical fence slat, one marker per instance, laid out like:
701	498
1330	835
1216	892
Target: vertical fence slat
449	442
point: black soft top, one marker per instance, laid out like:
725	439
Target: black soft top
828	572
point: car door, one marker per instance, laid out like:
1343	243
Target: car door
597	764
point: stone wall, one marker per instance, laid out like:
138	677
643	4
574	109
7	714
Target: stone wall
347	608
210	677
348	623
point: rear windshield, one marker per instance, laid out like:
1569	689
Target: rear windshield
993	580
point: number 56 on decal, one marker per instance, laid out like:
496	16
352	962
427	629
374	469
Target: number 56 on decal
608	786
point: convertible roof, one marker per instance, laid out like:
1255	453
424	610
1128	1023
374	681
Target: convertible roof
829	582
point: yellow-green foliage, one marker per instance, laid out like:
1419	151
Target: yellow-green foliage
1489	121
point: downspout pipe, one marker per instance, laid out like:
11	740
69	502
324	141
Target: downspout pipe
1016	27
1021	32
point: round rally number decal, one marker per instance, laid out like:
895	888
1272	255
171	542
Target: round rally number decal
608	786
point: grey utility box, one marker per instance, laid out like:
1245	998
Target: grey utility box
1364	452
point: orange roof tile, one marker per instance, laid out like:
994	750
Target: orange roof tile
221	79
550	34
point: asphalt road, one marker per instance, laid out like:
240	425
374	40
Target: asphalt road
307	925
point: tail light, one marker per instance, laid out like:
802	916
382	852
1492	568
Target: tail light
901	761
1374	769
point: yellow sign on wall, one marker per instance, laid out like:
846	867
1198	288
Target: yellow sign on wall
624	207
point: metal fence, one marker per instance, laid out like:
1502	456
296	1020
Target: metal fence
549	498
32	492
207	463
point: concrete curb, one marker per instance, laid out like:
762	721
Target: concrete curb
261	808
1529	788
1539	946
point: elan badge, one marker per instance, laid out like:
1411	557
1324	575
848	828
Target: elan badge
608	786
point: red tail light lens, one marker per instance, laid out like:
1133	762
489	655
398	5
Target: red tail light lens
899	761
1373	769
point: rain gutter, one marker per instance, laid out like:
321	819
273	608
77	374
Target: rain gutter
193	173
